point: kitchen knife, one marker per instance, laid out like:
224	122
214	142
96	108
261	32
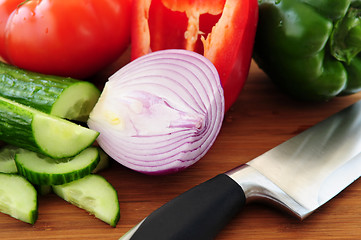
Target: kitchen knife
299	175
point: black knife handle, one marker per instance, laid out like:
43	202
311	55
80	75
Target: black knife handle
198	214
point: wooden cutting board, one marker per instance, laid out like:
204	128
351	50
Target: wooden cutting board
262	118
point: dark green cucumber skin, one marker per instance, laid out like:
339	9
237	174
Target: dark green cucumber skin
16	126
54	179
36	90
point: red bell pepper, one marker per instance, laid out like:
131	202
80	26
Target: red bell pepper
221	30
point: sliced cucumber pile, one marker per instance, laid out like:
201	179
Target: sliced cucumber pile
43	170
18	198
51	153
63	97
73	179
94	194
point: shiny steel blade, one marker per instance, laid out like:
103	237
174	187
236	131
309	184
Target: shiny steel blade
317	164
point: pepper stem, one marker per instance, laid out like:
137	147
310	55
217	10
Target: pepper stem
345	41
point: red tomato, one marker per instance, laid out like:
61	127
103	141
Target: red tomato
73	38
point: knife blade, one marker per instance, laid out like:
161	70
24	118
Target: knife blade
299	175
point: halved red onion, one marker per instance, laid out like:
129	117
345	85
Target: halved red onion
160	113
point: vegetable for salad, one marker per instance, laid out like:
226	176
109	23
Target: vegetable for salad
65	38
161	113
221	30
7	158
103	163
43	190
43	170
18	198
31	129
310	48
63	97
94	194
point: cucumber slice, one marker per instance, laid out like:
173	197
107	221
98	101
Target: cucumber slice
31	129
43	189
94	194
63	97
76	102
7	159
103	161
42	170
18	198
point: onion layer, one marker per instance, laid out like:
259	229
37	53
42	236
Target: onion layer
160	113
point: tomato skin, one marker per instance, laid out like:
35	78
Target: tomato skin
67	37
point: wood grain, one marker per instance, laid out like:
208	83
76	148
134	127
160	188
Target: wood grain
262	118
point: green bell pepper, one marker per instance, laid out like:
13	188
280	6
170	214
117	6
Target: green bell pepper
310	48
